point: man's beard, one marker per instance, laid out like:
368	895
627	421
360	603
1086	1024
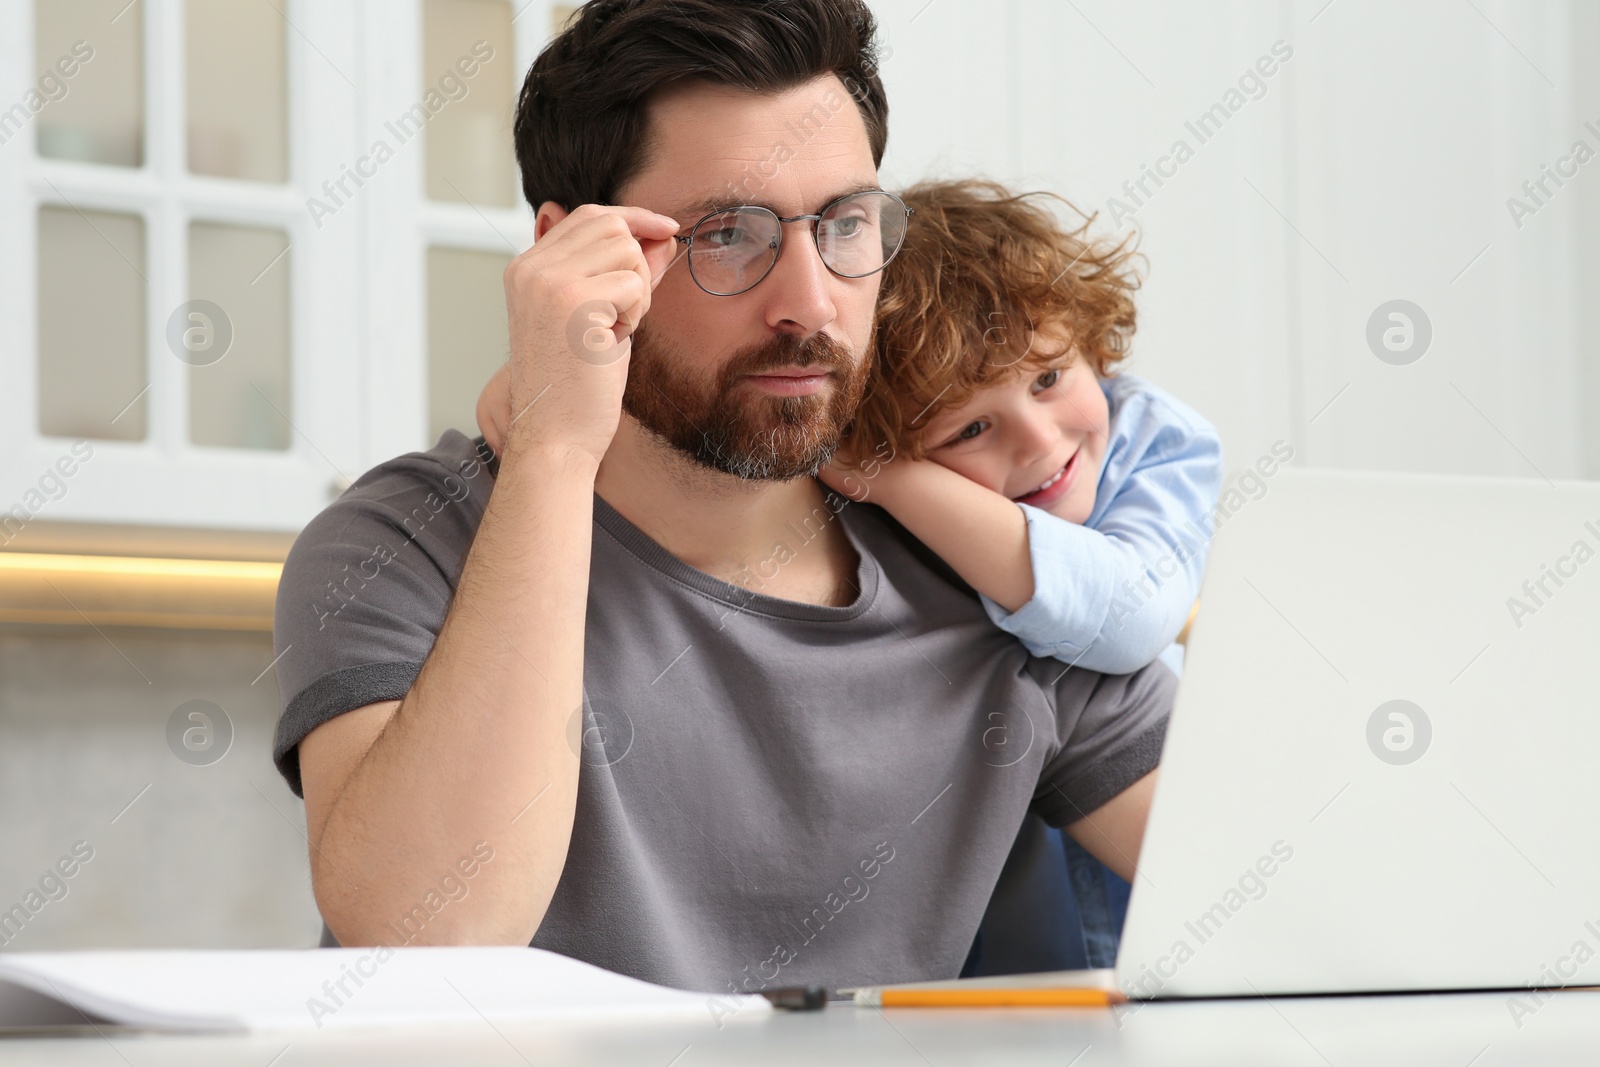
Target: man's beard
734	426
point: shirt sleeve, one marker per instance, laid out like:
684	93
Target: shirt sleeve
1112	728
367	585
1112	594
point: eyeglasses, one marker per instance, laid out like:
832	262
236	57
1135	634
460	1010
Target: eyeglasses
732	249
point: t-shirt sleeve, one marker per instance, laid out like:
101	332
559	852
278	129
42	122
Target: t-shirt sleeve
1112	727
367	585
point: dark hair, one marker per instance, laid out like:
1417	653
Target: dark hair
581	125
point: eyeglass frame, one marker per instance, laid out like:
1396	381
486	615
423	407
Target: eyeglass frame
687	239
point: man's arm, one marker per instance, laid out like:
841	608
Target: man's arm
1099	784
1114	832
398	793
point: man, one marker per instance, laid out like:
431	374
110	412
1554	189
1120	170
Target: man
680	712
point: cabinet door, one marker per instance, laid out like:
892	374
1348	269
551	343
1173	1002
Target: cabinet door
176	326
443	86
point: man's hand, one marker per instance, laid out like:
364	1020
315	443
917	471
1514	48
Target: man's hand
573	301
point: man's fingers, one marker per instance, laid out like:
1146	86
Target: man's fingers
619	253
660	257
641	223
654	226
644	242
621	289
601	255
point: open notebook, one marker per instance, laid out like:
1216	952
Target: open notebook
315	989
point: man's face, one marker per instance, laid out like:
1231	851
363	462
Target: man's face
762	384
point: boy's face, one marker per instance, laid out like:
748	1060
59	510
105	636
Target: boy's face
1037	437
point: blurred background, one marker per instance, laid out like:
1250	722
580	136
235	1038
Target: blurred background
251	248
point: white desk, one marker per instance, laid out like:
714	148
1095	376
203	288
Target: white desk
1455	1030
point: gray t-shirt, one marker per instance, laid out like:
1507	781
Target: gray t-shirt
771	792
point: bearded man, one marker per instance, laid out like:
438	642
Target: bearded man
711	724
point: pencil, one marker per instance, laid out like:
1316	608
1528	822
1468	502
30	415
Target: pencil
988	998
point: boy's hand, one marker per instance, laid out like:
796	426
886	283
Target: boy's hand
871	476
842	478
573	301
494	409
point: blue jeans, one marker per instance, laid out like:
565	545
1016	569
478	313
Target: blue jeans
1054	908
1102	903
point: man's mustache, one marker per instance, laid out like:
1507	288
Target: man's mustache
788	351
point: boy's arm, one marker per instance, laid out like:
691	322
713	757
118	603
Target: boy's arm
494	409
1108	598
981	534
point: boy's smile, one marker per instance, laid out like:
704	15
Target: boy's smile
1038	437
1055	487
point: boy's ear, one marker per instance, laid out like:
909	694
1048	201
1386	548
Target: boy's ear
549	214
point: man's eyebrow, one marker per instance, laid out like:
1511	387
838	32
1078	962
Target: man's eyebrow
696	209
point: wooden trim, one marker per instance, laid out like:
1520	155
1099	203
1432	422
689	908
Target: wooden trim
168	542
207	594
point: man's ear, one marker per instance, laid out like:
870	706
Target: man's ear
549	214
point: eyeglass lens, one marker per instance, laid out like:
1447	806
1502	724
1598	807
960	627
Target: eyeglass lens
733	250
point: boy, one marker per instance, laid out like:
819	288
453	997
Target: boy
1056	490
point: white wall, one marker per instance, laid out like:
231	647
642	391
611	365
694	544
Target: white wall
1585	222
1376	165
184	855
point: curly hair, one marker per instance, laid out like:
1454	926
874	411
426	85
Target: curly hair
983	270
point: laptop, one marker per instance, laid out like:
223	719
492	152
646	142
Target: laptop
1382	771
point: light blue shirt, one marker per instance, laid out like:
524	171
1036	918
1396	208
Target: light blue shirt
1112	594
